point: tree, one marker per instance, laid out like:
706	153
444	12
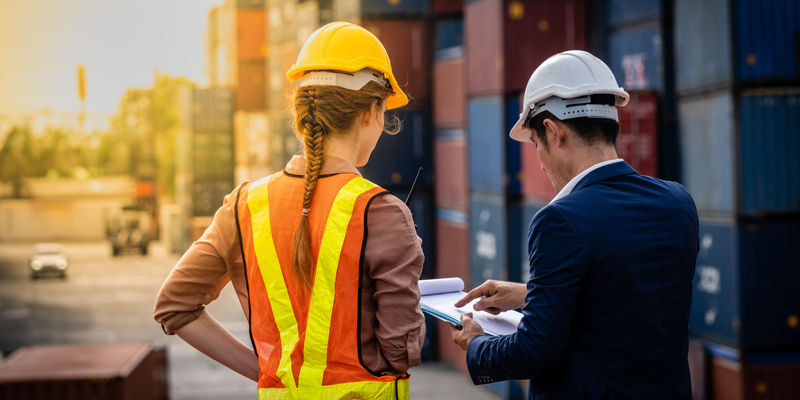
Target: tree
17	159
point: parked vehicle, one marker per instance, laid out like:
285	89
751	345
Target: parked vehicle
128	230
48	259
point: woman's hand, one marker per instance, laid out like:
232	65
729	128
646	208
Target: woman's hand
212	339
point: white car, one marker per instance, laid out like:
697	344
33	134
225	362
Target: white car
48	258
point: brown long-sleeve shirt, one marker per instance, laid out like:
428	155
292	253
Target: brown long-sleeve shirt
392	324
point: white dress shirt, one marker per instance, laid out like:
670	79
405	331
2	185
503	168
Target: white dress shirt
567	189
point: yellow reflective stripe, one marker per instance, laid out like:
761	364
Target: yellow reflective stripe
315	347
279	301
350	390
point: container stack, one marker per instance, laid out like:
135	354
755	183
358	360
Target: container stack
505	41
637	49
738	106
451	184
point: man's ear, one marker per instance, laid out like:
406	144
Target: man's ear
556	132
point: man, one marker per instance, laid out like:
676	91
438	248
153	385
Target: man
612	257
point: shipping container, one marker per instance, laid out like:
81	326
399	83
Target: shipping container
452	245
449	37
734	376
129	371
769	151
744	286
281	22
245	4
211	110
514	174
251	37
251	90
430	347
636	56
209	193
767	37
408	44
280	89
637	142
396	158
520	216
487	142
251	147
698	365
281	139
307	20
707	150
488	238
440	7
450	167
449	95
703	57
756	42
348	9
507	39
726	175
631	11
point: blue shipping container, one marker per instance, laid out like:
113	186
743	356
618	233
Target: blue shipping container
706	136
636	56
488	237
396	158
384	8
702	49
449	38
631	11
745	291
767	39
487	140
513	168
769	152
520	215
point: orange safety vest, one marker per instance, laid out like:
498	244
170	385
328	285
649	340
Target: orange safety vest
308	345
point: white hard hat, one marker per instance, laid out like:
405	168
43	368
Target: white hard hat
565	85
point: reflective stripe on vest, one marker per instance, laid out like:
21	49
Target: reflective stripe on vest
316	340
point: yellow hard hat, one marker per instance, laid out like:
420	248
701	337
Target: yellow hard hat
346	47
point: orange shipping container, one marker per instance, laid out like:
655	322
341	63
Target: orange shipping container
251	34
251	90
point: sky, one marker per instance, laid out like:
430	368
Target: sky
121	43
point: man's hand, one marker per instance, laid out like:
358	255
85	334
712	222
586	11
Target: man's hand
469	329
498	296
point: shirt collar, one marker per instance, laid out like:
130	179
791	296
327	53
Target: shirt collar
567	189
331	165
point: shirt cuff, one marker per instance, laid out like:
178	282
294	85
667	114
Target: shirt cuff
414	348
178	320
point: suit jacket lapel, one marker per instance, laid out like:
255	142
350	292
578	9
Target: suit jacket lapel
605	172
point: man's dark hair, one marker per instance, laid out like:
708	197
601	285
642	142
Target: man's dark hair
591	130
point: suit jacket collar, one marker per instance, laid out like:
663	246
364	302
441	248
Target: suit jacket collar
603	173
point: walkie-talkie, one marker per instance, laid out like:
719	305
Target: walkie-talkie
413	184
411	192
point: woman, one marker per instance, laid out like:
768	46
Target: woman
325	263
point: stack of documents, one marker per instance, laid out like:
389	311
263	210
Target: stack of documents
440	295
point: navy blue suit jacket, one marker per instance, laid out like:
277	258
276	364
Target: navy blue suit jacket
607	309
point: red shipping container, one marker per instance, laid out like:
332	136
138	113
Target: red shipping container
452	248
637	142
507	39
251	34
408	45
440	7
451	184
251	90
130	371
535	183
449	95
697	368
777	379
